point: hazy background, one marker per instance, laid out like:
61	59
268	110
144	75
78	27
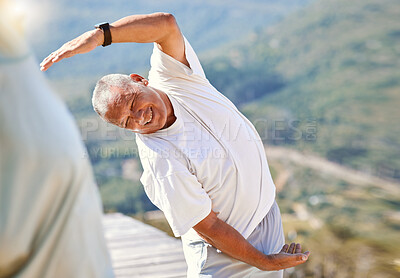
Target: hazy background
319	79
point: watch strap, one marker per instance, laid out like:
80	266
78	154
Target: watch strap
106	31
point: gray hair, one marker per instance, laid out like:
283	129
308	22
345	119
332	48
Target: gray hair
102	93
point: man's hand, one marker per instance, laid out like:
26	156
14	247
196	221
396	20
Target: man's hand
289	256
227	239
82	44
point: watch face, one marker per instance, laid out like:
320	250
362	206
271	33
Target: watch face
100	25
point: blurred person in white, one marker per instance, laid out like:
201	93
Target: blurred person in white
204	163
50	208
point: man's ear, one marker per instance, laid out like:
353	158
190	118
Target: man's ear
139	79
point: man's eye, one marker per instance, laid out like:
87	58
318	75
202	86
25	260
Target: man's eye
133	101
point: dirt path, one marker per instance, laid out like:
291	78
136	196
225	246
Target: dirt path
281	154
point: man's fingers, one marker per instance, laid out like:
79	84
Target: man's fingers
54	57
62	55
51	56
298	248
45	65
47	62
82	44
300	258
291	248
58	56
285	248
286	260
304	256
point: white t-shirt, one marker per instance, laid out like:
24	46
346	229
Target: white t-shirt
211	157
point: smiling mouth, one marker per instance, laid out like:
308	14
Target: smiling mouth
151	117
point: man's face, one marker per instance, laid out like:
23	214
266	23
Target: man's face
137	107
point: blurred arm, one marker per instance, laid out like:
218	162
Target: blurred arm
160	28
225	238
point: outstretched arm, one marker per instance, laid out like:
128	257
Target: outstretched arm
225	238
160	28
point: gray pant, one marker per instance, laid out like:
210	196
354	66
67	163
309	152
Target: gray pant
206	261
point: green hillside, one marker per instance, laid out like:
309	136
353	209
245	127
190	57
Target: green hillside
349	221
335	64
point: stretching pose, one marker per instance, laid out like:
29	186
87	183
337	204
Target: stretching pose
204	162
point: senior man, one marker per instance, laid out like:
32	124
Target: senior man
204	163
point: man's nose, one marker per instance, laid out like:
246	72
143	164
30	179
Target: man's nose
138	116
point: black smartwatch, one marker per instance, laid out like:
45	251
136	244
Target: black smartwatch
106	31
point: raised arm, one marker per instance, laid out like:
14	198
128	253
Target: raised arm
225	238
160	28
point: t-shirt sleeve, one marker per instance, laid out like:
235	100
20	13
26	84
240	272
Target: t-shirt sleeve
180	196
164	67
